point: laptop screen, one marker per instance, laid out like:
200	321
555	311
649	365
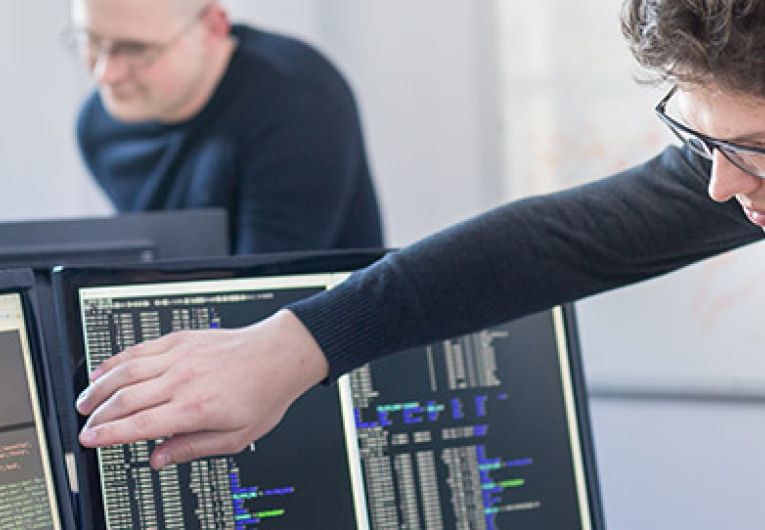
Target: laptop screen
484	431
27	487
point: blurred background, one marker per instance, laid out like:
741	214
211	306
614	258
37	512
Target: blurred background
467	105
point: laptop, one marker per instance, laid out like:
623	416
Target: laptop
484	431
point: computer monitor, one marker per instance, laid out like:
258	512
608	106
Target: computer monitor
126	238
33	484
486	431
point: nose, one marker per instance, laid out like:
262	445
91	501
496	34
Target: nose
108	68
728	180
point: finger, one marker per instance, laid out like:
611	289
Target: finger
162	421
187	447
129	373
150	347
131	399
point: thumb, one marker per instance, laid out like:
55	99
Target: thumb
187	447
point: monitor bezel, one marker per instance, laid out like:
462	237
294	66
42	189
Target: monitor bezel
22	282
584	423
128	237
68	282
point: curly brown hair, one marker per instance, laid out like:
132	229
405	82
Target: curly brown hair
700	41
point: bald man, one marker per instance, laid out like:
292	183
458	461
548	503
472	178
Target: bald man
190	111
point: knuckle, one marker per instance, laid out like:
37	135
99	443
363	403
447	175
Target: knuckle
107	364
127	354
131	371
186	373
201	406
122	400
165	341
144	421
105	432
133	350
154	340
180	336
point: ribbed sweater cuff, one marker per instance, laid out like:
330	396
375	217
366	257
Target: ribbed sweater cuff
343	325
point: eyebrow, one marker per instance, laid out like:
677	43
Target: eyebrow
752	137
755	137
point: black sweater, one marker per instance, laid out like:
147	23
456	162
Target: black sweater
527	256
278	145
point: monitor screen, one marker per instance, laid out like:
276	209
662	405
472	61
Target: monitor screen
27	486
485	431
479	431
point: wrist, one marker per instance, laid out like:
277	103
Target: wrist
297	358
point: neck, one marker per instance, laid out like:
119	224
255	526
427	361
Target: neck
216	69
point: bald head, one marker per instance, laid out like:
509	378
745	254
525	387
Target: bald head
186	7
123	17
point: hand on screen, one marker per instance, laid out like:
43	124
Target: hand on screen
205	392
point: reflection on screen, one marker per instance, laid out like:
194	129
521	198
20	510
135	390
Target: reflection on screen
27	496
474	433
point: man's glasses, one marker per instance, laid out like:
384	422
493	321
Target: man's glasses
746	158
135	55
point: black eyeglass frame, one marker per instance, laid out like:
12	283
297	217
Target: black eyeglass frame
728	149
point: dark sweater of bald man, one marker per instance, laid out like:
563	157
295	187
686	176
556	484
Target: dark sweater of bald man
278	145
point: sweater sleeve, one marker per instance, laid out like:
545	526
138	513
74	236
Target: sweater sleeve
527	256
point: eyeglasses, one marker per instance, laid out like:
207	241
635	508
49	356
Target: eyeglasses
746	158
136	55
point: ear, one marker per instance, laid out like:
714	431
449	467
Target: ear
215	19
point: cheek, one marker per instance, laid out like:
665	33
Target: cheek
159	83
171	80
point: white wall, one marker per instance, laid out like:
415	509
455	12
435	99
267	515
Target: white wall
39	167
681	465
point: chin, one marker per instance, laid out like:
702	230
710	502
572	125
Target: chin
127	111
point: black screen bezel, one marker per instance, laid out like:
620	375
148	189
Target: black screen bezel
22	282
68	282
